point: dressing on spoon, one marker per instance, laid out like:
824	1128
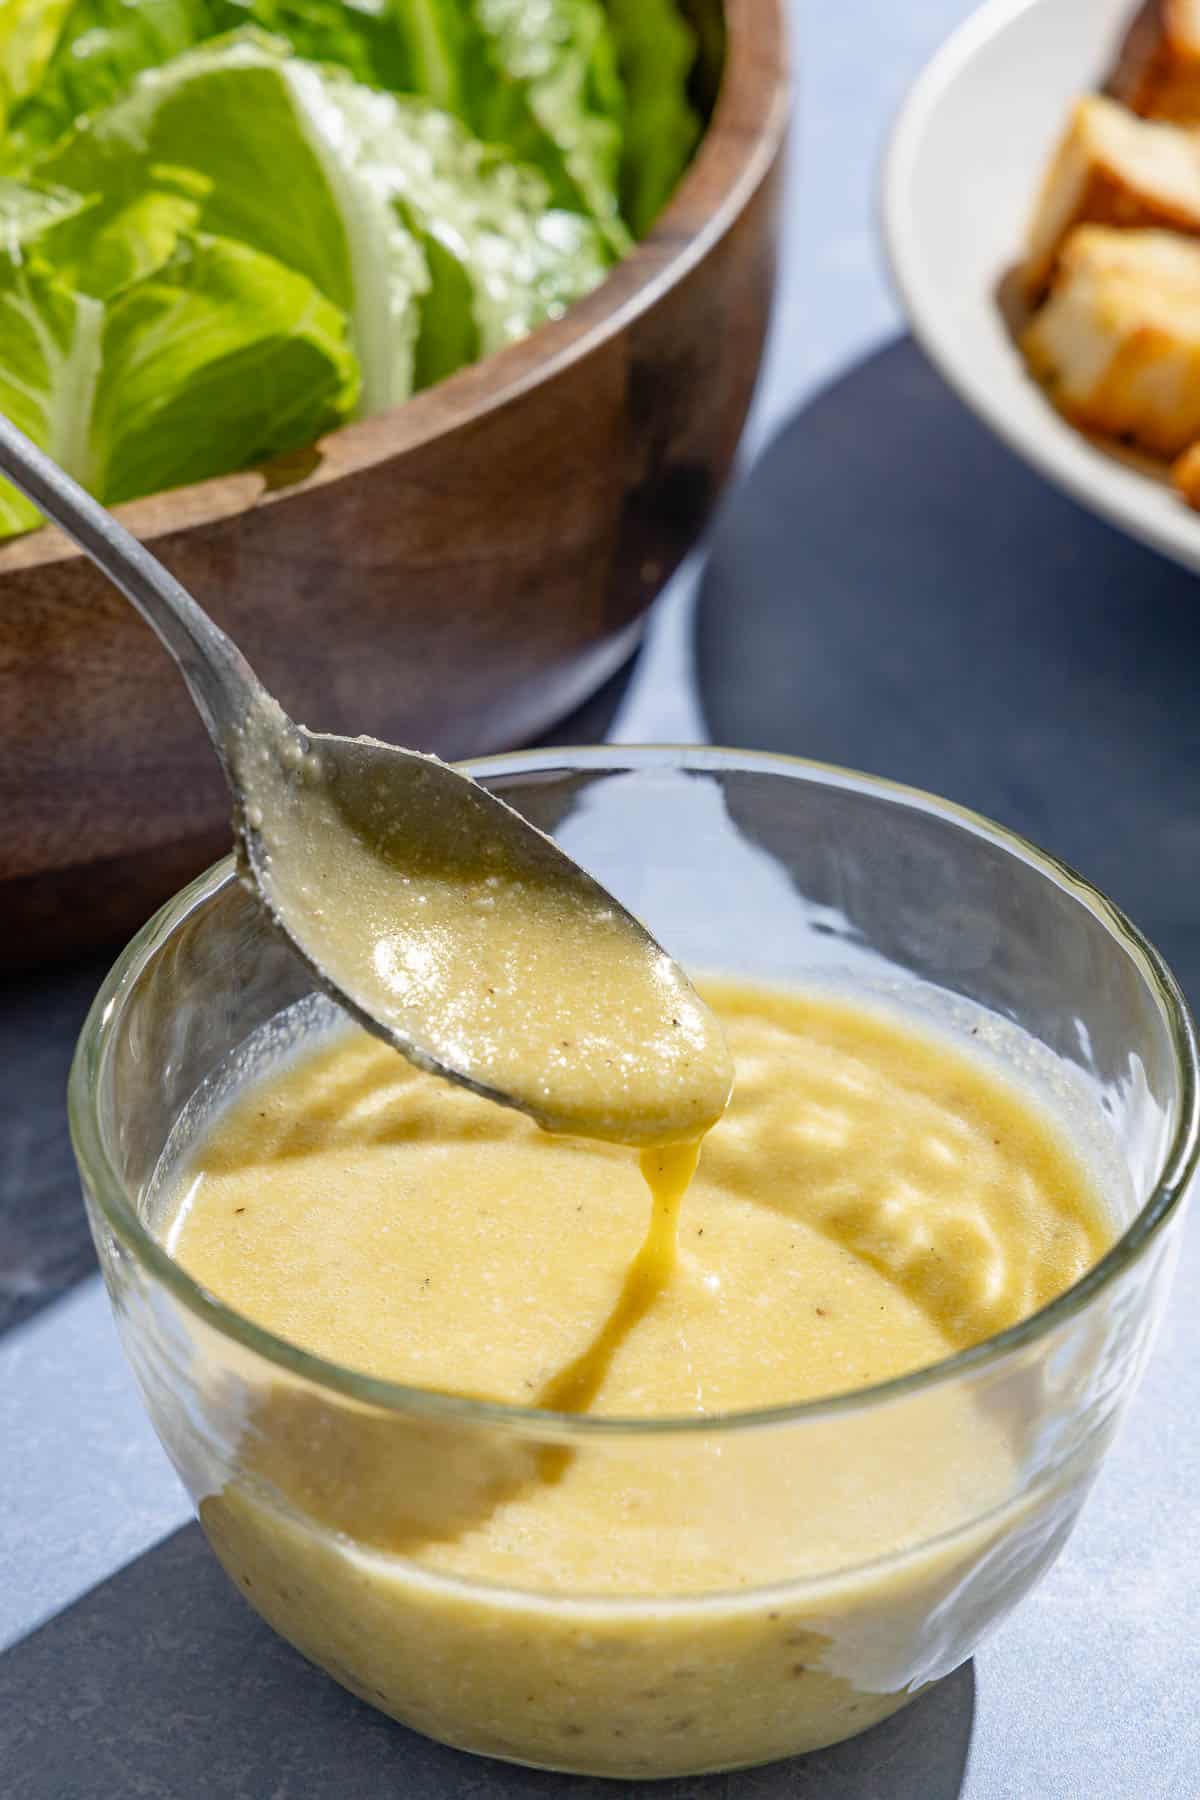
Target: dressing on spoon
471	939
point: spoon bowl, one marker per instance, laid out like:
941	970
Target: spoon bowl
476	946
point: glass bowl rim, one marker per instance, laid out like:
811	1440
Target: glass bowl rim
1166	1195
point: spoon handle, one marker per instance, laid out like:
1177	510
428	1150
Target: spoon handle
219	678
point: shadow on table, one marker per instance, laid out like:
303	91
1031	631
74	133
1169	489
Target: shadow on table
45	1247
162	1683
44	1243
891	589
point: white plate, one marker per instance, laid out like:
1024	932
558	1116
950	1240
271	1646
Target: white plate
960	179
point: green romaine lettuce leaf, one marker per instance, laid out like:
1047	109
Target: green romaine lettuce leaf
404	46
64	59
217	241
262	136
540	77
67	58
90	50
29	34
219	358
437	35
496	249
358	36
49	362
436	246
545	84
656	49
118	240
51	318
28	209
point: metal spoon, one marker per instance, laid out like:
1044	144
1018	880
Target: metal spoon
435	914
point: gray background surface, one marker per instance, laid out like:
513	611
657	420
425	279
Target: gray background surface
127	1665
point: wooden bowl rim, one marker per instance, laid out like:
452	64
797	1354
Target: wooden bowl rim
737	151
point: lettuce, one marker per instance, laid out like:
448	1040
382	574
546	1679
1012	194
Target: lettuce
403	46
49	359
656	49
495	247
28	209
118	239
435	246
261	134
29	34
593	93
438	36
218	360
361	37
215	360
49	335
62	59
538	77
227	224
88	51
545	84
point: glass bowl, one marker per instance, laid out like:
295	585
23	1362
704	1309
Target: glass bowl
326	1494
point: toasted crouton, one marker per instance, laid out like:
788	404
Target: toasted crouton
1157	71
1113	168
1185	473
1117	343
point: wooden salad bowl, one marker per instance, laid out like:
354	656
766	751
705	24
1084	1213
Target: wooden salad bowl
455	574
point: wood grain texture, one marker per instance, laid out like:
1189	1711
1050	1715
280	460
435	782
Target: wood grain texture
453	575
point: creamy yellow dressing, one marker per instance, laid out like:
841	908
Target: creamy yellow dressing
872	1200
